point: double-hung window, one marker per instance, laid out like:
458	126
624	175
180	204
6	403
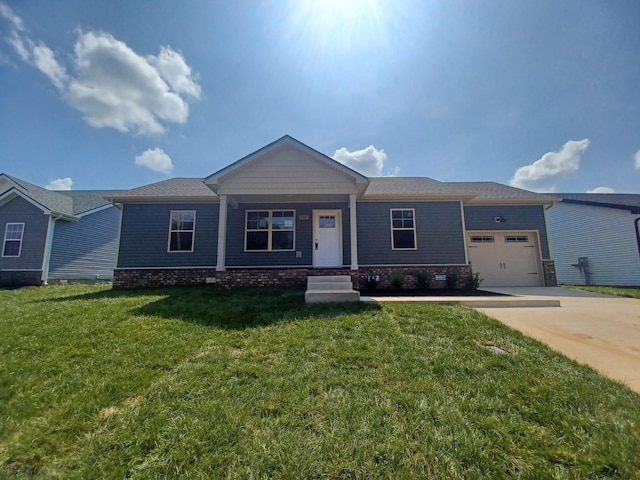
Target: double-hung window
403	229
269	230
182	230
13	240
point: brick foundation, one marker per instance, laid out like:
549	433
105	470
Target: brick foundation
20	279
410	276
290	277
549	270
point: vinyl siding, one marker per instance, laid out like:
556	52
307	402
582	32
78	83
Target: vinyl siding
439	234
35	222
303	242
287	171
517	217
605	235
145	233
85	250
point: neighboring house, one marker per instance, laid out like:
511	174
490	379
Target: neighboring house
287	211
596	238
55	235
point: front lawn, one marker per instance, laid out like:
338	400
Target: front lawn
631	292
203	383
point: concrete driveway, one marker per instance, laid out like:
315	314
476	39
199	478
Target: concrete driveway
601	331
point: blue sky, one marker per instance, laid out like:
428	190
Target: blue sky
541	94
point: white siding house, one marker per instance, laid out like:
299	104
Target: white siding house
603	231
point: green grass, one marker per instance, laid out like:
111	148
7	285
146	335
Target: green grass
253	384
631	292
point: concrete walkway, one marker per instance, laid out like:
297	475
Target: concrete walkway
601	331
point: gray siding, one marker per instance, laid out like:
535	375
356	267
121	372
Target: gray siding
439	234
19	210
604	235
237	257
517	217
145	233
87	249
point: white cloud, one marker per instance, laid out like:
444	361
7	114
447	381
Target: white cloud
368	161
112	85
637	157
602	190
60	184
45	61
7	13
115	87
172	67
543	174
155	159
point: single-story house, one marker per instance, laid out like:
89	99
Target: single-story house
55	235
595	238
287	211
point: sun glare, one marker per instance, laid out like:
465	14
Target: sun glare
340	25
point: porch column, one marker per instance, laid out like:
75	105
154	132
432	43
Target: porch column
222	233
48	243
354	231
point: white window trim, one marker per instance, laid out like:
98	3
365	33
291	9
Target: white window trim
415	238
4	244
193	231
270	229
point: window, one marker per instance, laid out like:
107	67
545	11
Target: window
13	239
516	239
483	239
182	230
269	230
403	229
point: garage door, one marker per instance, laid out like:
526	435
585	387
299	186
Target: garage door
505	259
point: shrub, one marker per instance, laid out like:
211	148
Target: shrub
452	279
424	279
397	281
474	280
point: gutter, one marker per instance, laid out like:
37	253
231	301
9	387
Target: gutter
637	224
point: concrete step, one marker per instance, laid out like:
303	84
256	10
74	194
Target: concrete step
329	279
330	288
325	296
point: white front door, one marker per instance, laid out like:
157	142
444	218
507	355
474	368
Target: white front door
327	238
505	259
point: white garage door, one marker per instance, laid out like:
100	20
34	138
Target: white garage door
505	259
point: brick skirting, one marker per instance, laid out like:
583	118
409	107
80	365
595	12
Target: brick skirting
20	278
262	277
549	270
286	277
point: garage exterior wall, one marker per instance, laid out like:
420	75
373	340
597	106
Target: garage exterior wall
606	236
515	218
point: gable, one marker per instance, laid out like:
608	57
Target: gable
286	167
286	171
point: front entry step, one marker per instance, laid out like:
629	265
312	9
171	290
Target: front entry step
330	288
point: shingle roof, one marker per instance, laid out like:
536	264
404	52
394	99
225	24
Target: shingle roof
174	187
496	191
65	202
424	186
87	200
626	201
48	199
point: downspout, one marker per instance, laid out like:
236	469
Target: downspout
46	260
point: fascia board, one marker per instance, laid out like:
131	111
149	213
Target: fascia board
165	199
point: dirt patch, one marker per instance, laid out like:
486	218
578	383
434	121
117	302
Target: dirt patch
430	292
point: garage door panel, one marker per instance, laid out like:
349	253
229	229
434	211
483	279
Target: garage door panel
505	258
